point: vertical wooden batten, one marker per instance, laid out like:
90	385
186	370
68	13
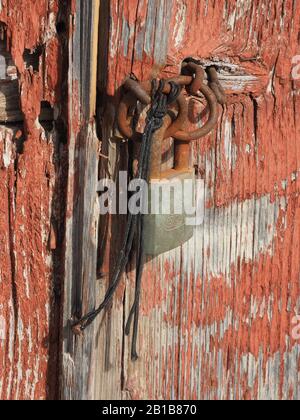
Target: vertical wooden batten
82	217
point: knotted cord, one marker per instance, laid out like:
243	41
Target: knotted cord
135	223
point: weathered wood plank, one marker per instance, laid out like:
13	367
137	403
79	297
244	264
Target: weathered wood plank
217	313
82	218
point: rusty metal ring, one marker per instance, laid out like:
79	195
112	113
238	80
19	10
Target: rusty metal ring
182	116
213	93
211	123
125	120
138	91
197	73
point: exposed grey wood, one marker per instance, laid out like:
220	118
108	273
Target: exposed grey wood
81	231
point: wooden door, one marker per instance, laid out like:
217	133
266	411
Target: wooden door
218	314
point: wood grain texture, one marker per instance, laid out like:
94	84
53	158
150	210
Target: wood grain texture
77	374
216	314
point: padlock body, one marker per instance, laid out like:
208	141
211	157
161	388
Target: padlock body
171	204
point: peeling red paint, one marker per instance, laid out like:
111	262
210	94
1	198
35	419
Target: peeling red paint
27	187
225	303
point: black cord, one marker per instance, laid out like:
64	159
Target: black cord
135	223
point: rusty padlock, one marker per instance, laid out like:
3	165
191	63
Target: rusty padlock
171	192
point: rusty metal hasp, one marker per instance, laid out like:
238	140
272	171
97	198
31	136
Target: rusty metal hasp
167	230
156	234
